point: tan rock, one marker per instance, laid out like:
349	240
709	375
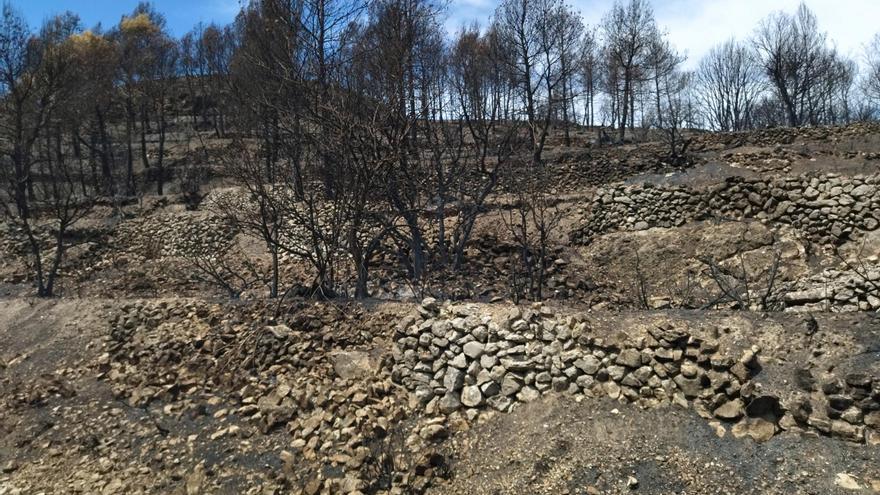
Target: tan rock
730	410
760	430
847	481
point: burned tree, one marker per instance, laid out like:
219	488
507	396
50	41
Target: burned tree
804	72
538	39
532	220
628	32
42	194
729	83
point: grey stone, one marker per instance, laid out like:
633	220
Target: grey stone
643	374
449	403
853	415
863	190
588	364
471	396
760	430
560	384
430	304
616	372
585	381
490	389
517	364
528	394
453	379
612	389
473	350
860	380
664	354
488	362
872	419
499	402
630	358
691	387
460	361
839	402
730	410
484	376
689	369
631	381
434	432
844	430
510	384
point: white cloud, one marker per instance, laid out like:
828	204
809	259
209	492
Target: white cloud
473	4
694	26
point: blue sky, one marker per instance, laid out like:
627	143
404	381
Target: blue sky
182	15
694	26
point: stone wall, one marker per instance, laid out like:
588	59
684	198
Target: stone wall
785	135
836	290
826	208
469	358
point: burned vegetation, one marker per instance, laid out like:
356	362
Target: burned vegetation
333	247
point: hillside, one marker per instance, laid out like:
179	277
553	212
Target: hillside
707	328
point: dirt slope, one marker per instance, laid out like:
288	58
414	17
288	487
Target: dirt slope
557	446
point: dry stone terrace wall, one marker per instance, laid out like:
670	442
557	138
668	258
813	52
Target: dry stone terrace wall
170	234
826	208
786	135
838	291
470	358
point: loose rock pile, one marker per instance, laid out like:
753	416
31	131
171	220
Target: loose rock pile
171	234
307	379
847	408
464	359
826	208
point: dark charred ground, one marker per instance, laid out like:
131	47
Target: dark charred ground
561	447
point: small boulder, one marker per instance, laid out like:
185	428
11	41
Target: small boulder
471	396
630	358
760	430
449	403
528	394
473	350
730	410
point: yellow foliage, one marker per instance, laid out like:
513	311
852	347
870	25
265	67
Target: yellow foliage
88	43
86	38
138	23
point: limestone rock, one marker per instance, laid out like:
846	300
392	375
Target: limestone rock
510	384
449	403
471	396
730	410
630	358
473	350
847	481
760	430
528	394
